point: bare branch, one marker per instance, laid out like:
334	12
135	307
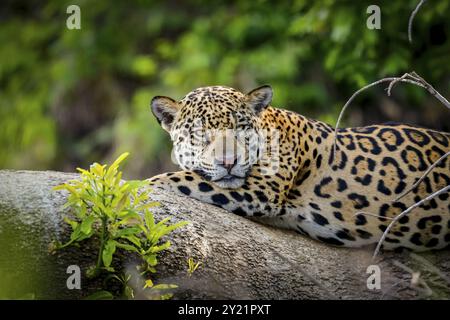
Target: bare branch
429	88
403	77
393	286
416	279
411	77
372	214
430	266
430	168
405	212
411	19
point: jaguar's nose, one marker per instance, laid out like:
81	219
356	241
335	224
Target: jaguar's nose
227	162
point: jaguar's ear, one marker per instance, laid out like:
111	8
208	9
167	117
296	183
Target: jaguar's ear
165	110
258	99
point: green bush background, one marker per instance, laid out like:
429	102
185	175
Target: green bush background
71	97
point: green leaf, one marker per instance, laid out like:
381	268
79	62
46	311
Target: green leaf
151	260
148	283
98	169
176	226
85	172
59	187
122	157
128	292
163	230
113	277
76	233
156	249
108	251
128	231
163	286
100	295
127	247
128	215
73	224
149	205
135	184
162	222
149	220
84	236
121	203
109	269
133	239
71	189
86	224
166	296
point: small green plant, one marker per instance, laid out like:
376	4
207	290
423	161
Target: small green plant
192	266
154	292
117	213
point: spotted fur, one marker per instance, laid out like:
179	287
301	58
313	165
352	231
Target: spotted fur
345	201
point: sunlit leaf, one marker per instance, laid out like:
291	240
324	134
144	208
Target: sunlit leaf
108	251
86	224
127	247
148	283
164	286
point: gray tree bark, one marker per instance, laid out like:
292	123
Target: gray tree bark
241	259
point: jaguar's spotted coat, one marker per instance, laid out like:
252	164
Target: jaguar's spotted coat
345	201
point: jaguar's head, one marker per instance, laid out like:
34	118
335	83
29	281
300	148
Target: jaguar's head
216	131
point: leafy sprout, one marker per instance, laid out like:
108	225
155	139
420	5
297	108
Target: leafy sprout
118	213
192	266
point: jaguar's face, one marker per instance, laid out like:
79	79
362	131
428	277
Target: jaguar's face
216	131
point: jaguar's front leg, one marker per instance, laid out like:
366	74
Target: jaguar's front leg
241	201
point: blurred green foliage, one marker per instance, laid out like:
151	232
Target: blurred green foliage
72	97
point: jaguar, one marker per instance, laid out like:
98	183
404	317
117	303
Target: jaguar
240	153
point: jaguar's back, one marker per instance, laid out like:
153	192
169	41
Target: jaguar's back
352	199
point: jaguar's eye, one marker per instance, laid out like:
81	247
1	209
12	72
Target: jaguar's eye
208	137
197	135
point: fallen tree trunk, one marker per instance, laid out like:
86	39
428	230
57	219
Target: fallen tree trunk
241	259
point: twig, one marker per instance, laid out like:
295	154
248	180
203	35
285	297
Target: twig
372	214
392	287
430	168
405	212
430	266
416	279
403	77
411	18
413	75
402	266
